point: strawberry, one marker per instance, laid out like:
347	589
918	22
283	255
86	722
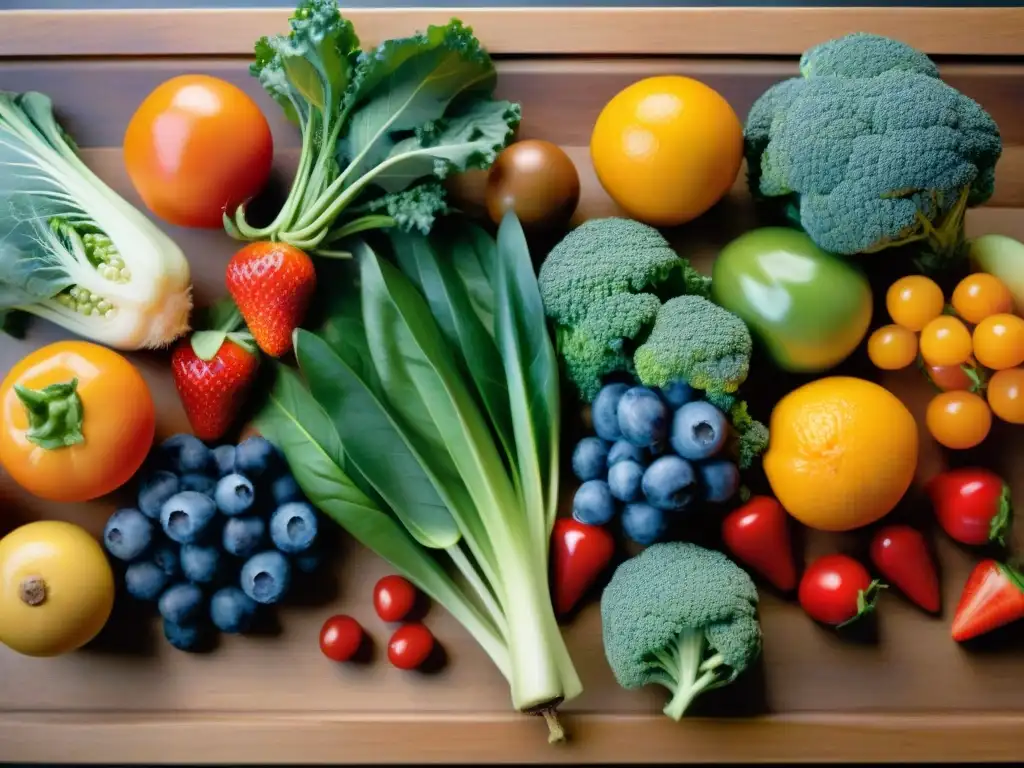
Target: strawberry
213	372
273	285
993	597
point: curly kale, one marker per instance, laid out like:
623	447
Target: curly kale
870	149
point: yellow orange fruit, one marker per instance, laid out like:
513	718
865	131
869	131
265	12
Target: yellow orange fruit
842	452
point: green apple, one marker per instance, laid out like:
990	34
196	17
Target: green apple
809	309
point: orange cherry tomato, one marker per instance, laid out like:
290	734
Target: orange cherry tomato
892	347
76	421
981	295
945	341
1006	395
914	301
195	147
999	342
958	420
949	378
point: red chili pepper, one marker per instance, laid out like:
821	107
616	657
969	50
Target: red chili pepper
901	555
757	534
579	554
992	598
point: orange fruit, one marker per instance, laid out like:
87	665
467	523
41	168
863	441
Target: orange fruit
914	301
892	347
958	420
981	295
945	341
667	148
999	342
1006	395
842	452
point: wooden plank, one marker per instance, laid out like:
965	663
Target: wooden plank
964	31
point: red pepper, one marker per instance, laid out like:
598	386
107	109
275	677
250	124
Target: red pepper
579	554
757	534
901	555
972	505
992	598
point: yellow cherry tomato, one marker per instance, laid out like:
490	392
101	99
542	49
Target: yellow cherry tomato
892	347
667	148
958	420
945	341
1006	395
999	342
979	296
56	588
914	301
76	421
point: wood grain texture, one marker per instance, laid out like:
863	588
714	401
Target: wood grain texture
905	692
534	31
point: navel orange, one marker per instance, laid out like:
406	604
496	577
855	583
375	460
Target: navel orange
842	452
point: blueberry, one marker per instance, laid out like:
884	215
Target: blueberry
284	489
721	480
699	430
128	534
624	480
255	457
678	394
145	580
308	562
181	604
200	564
165	556
670	483
643	523
187	454
623	449
604	412
154	490
231	610
266	577
590	459
224	458
184	638
243	536
234	495
199	483
643	417
293	527
593	503
186	515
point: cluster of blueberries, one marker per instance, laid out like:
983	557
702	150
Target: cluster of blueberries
215	534
656	452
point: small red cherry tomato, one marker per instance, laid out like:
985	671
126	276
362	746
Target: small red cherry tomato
410	646
340	638
836	590
393	598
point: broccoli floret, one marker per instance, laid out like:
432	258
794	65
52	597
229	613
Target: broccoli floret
873	149
696	341
602	285
680	616
751	435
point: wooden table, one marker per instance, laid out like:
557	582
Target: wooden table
911	694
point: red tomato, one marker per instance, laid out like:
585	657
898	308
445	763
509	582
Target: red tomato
393	598
836	590
757	534
195	147
901	555
972	505
410	646
340	638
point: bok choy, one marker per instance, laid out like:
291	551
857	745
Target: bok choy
74	252
426	423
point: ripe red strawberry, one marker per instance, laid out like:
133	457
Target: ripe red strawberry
272	284
213	372
993	597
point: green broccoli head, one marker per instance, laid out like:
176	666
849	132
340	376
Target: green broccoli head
697	341
602	285
680	616
872	148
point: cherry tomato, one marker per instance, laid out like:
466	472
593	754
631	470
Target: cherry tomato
892	347
945	341
901	555
1006	395
999	342
981	295
410	646
972	505
393	598
195	147
914	301
340	638
836	590
958	420
950	378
